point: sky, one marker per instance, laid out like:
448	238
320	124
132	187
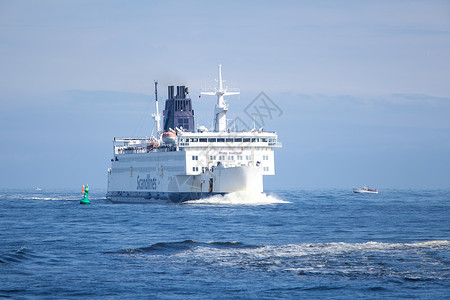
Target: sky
362	87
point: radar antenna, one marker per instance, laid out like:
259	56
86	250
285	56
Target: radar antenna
220	112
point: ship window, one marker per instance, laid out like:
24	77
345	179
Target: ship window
194	157
203	140
231	157
254	140
239	157
195	169
222	157
238	140
212	157
212	140
220	140
194	140
229	140
264	140
246	140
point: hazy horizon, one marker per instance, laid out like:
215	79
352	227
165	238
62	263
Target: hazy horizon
362	87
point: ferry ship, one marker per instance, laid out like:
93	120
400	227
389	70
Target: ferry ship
185	163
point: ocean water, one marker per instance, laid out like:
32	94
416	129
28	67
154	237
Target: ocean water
285	244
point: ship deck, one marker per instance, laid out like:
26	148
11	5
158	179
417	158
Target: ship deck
187	140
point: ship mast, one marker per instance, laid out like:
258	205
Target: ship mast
156	116
220	111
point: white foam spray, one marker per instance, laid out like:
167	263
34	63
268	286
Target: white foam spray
239	198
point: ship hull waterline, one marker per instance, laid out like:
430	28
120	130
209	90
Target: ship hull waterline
182	188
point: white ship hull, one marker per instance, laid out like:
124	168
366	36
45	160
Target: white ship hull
158	178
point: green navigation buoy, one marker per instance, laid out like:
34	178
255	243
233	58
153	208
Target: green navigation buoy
85	191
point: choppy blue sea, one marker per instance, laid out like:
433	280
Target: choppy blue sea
289	244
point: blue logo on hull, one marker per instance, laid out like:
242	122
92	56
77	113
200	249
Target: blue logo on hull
147	183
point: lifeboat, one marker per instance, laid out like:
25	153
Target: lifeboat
169	137
153	143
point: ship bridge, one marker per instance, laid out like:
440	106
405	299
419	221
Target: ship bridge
202	151
206	150
228	139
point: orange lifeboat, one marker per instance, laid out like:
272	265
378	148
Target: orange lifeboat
169	137
153	143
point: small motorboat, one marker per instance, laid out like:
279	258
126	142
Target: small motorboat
365	190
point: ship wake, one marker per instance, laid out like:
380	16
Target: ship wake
238	198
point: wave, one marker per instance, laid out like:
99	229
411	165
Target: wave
15	256
170	247
238	198
295	249
49	197
421	261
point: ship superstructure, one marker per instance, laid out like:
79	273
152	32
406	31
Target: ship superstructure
183	163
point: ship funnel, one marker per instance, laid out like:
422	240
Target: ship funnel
178	110
181	92
170	92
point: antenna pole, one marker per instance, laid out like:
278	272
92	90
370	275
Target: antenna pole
156	116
